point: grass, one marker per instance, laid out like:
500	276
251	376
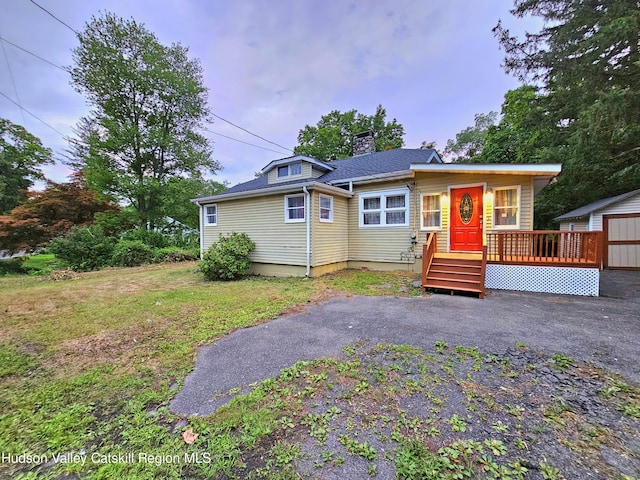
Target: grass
89	365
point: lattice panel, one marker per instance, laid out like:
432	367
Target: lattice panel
563	280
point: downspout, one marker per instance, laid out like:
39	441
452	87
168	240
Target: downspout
307	216
201	221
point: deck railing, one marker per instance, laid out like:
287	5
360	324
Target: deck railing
545	247
428	251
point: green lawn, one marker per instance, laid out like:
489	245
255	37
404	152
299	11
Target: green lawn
89	365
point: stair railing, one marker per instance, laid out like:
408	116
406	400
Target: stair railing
483	271
428	251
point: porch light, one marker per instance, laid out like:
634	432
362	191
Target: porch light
488	195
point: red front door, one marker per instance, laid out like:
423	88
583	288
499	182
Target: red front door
465	218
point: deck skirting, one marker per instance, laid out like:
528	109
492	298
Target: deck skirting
562	280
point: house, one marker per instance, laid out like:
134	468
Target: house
374	210
619	218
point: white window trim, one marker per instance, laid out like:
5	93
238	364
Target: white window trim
206	215
493	208
288	175
325	220
383	218
422	227
286	209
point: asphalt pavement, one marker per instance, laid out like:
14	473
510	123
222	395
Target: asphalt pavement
604	330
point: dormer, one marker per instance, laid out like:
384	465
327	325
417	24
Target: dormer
298	167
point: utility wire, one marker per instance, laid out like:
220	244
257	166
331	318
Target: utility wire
15	90
33	54
66	25
251	133
34	116
242	141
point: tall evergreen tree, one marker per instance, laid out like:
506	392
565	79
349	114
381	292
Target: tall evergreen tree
586	60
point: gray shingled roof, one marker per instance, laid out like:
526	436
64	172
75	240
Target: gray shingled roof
378	163
598	205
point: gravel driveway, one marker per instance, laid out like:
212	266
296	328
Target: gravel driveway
604	331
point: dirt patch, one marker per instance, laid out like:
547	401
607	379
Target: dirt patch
119	347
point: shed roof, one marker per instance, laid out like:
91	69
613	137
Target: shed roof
587	210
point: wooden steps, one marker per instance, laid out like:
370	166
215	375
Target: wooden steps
461	273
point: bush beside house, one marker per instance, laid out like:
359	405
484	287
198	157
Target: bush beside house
228	258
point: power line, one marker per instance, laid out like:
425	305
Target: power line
13	81
33	54
251	133
242	141
66	25
34	116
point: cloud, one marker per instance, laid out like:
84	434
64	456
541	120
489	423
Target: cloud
274	67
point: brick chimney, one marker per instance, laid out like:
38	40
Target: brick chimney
364	143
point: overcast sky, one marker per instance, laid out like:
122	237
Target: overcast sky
274	66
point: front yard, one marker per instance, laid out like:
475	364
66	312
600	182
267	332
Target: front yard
88	365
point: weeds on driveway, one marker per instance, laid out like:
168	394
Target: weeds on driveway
397	412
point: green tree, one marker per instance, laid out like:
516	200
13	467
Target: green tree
177	195
148	103
332	137
524	134
586	60
21	155
468	143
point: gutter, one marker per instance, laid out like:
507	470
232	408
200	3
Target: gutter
201	222
307	215
384	177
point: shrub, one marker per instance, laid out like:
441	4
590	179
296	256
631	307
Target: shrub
12	266
228	258
175	254
153	238
84	248
132	253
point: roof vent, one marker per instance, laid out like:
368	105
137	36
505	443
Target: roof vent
364	143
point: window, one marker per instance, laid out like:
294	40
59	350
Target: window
389	208
506	205
430	212
211	215
291	170
294	208
326	208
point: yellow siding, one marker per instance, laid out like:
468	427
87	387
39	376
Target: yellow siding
262	218
316	173
306	173
378	244
277	242
330	241
432	183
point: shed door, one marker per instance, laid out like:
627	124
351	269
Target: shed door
622	240
465	231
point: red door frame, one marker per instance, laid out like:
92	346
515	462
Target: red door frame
466	237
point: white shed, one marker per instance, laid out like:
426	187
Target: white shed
619	218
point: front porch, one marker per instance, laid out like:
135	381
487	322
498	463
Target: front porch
564	262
